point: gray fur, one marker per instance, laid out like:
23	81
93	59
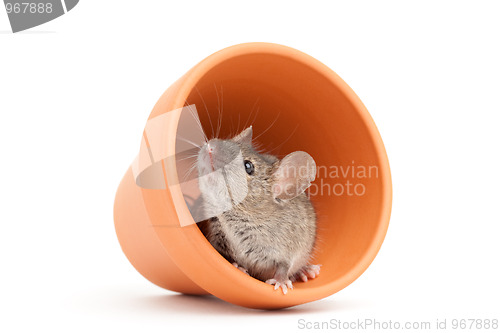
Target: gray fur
269	237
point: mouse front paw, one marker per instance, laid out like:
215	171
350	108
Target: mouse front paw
243	269
307	272
284	284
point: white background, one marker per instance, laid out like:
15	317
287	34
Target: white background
75	94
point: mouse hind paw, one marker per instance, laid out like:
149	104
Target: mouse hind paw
307	272
284	284
243	269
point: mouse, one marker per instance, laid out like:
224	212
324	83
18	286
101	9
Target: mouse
261	219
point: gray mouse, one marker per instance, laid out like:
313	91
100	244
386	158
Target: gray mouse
261	219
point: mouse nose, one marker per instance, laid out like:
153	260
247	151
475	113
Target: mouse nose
210	147
213	146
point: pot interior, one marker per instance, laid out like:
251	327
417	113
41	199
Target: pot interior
293	106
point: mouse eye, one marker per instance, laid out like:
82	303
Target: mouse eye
249	168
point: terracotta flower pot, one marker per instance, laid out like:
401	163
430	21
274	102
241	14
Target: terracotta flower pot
294	102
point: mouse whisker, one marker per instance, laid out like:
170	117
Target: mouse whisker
288	138
190	171
197	119
251	112
259	147
189	141
238	126
206	109
267	129
219	111
221	105
186	158
255	117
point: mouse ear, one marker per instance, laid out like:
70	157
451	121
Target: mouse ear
245	136
294	175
